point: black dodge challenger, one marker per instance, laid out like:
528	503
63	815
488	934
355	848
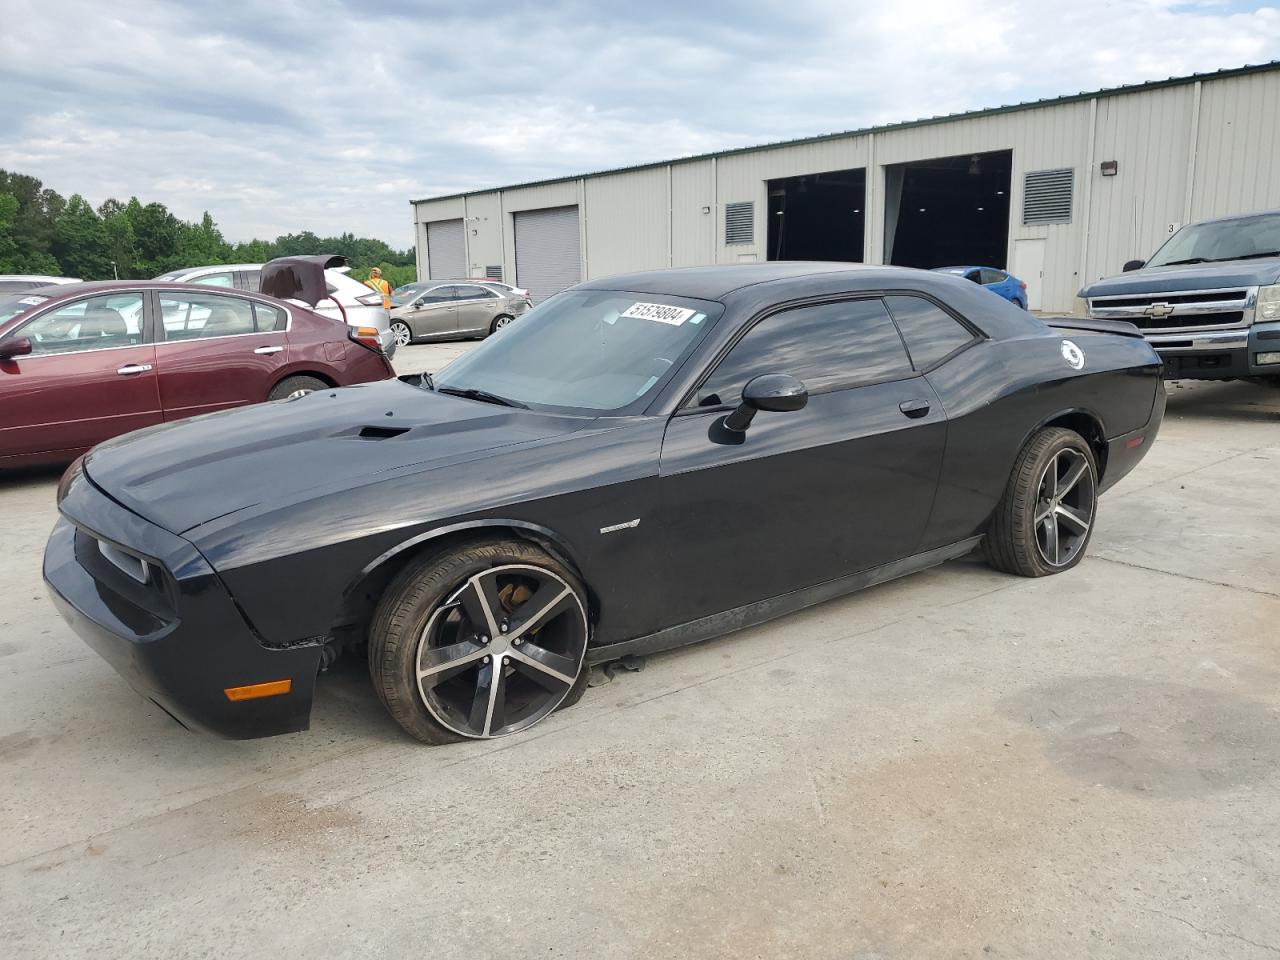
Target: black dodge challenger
640	462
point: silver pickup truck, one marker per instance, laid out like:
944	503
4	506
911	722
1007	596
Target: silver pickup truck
1208	300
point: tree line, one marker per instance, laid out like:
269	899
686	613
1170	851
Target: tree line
41	232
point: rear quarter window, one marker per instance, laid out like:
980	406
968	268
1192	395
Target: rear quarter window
930	332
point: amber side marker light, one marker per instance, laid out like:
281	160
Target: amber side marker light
255	691
1134	442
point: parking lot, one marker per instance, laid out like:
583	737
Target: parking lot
959	764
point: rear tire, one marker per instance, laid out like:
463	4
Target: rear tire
433	657
499	322
1044	520
291	387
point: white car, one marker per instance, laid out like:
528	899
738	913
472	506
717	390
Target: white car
15	282
361	304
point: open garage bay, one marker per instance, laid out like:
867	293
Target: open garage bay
957	764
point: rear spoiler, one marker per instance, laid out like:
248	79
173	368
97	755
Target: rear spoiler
1119	328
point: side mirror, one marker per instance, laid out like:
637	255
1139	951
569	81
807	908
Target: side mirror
1134	265
14	347
775	392
420	302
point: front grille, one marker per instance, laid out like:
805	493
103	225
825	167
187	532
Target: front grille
1216	296
1175	321
1179	310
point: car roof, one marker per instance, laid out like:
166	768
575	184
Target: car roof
714	283
39	276
66	291
972	266
214	268
1236	216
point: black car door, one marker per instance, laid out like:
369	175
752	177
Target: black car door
845	484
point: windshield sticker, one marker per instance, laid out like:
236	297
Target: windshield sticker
33	301
661	312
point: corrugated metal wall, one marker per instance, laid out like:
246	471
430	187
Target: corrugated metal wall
1221	137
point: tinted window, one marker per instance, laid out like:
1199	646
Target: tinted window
827	346
931	333
253	280
216	280
268	318
474	293
92	324
436	295
193	316
993	276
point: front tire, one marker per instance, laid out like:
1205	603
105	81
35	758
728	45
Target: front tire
479	642
402	333
293	387
1045	519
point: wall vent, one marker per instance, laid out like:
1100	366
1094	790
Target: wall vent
740	222
493	273
1046	196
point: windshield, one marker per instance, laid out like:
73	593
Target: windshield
406	293
597	350
1257	236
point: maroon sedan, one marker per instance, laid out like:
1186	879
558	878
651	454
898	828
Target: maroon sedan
80	363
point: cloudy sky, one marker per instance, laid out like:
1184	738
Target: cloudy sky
331	115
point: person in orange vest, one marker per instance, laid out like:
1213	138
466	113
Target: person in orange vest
377	283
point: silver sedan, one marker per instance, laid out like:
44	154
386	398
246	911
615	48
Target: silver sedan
451	310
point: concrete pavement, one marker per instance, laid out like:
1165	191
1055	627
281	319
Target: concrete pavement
959	764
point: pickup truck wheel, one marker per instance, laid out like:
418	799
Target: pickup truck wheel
291	387
1043	523
479	642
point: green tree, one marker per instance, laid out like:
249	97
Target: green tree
155	235
81	242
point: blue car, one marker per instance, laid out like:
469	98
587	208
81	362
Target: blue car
997	281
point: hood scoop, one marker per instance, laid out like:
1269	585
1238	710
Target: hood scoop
380	433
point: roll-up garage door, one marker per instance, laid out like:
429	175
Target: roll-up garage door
548	254
445	257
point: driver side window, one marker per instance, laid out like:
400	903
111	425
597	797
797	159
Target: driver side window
829	346
93	324
436	295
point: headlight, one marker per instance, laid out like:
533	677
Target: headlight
69	477
1268	304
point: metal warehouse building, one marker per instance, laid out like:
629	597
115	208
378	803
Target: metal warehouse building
1058	191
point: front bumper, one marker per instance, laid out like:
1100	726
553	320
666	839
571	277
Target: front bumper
1218	354
179	640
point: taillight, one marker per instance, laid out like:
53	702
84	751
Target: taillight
370	299
367	337
1022	285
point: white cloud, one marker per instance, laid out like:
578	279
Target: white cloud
331	116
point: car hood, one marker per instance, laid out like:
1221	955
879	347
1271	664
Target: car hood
1196	276
182	474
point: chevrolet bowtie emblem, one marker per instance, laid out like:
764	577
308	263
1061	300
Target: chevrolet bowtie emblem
1158	311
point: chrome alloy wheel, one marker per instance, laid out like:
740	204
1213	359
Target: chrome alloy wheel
502	651
1065	503
402	333
301	392
501	322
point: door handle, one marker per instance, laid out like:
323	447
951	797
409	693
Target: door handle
915	409
129	369
268	349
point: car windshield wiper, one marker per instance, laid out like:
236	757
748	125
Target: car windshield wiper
1180	263
484	396
426	383
1256	256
